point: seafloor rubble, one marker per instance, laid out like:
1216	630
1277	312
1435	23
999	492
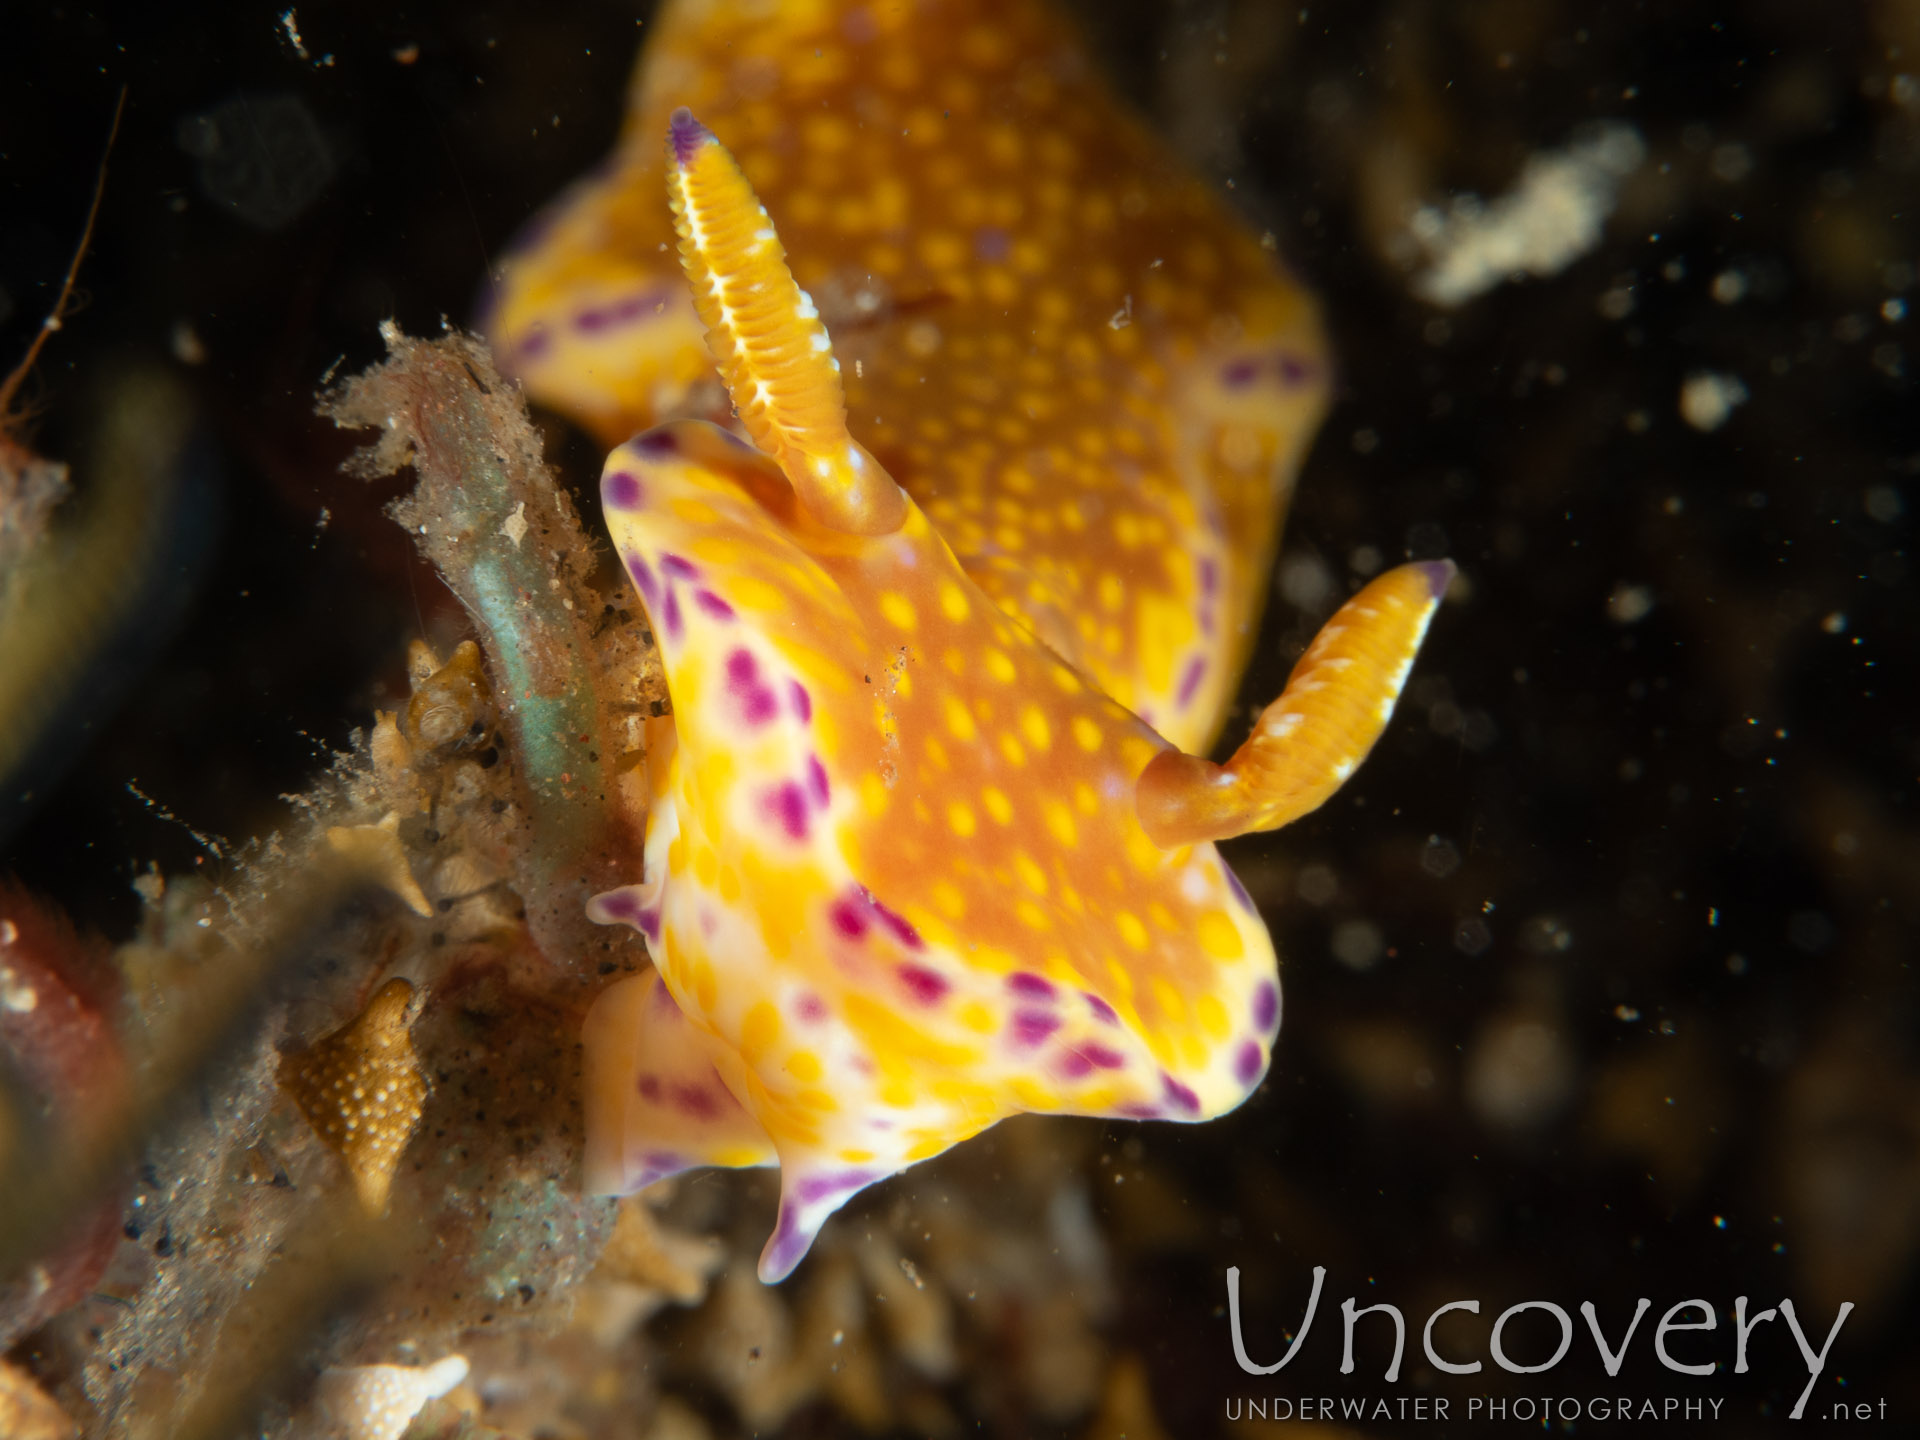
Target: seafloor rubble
1599	980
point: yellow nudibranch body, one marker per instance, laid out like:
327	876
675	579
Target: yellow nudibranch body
926	848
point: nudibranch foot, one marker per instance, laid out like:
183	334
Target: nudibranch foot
1305	744
767	338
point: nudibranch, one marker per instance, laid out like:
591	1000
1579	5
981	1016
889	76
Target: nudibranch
927	847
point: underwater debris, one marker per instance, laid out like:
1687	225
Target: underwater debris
1550	218
362	1088
378	1402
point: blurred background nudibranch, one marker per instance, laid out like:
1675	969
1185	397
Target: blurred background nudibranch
1604	948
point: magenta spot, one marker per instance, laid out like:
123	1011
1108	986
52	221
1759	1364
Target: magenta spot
927	987
849	918
1238	890
1295	372
802	701
1248	1064
621	490
1133	1110
591	322
789	1243
535	343
656	1165
649	923
695	1100
1190	682
1073	1064
902	930
991	243
656	442
670	615
1102	1011
1209	576
1266	1007
1030	1027
787	804
816	1188
650	1087
810	1008
817	781
643	580
1102	1058
679	567
1180	1096
713	604
756	701
618	905
1239	374
1034	987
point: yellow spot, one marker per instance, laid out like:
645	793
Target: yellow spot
706	865
804	1066
998	806
953	603
901	1095
1084	800
959	722
1131	930
1086	733
948	900
1033	724
960	817
1032	916
1011	748
1031	875
1060	822
729	884
898	610
873	795
1219	938
705	992
1194	1052
979	1017
855	1157
1000	666
758	1030
1212	1016
1173	1005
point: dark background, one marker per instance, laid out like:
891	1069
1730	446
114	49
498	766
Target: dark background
1635	1013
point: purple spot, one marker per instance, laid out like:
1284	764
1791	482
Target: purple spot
811	1008
789	1243
1295	372
849	918
991	243
670	616
1239	374
621	490
1190	682
713	604
788	804
902	930
663	1000
926	986
1179	1095
817	781
655	1165
649	922
695	1100
1034	987
802	701
618	905
591	321
656	442
643	580
1030	1027
757	702
1266	1007
818	1187
1135	1111
650	1088
1249	1063
1102	1011
1102	1058
687	135
1209	576
535	343
1239	891
1073	1064
679	567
